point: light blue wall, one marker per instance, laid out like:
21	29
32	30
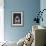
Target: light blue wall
30	7
43	6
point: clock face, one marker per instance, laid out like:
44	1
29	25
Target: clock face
43	23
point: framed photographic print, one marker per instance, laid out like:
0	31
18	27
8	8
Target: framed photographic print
17	18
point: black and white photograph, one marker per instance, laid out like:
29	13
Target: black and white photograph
17	18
